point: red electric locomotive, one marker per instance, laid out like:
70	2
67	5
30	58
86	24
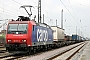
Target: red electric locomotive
26	35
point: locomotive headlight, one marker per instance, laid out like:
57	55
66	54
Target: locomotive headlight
23	40
9	40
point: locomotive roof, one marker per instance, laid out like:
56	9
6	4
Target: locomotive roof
22	22
23	19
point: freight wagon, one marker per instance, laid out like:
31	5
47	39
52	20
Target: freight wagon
59	36
67	38
58	33
76	38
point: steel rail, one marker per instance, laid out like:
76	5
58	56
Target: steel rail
59	54
75	52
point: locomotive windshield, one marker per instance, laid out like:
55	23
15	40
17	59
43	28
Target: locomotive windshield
17	29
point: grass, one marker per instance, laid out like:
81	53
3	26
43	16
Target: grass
2	36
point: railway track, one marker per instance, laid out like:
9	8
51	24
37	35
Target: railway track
67	54
15	56
11	56
50	55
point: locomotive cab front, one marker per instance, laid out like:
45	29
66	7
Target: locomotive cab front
19	30
18	35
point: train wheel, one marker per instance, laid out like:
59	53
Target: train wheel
46	47
7	48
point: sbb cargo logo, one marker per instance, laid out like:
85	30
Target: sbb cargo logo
42	35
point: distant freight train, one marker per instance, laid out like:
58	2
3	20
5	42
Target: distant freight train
75	38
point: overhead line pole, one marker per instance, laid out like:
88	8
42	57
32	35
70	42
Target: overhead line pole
62	19
43	18
56	22
39	11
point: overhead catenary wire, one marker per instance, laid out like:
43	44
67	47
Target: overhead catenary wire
67	9
34	6
37	8
44	9
77	17
17	2
80	4
7	12
12	8
26	8
72	9
11	13
70	12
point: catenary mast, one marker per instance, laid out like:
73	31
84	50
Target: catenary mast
39	11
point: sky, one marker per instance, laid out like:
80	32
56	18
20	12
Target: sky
76	13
